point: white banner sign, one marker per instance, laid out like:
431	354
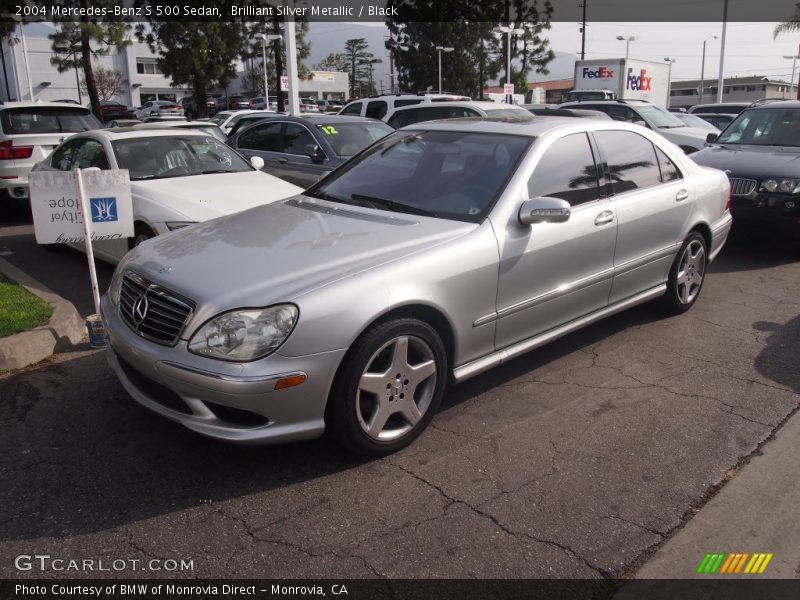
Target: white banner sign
284	83
508	89
56	205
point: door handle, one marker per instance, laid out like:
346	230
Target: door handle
604	218
283	160
681	196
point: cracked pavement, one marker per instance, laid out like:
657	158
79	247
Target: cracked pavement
577	460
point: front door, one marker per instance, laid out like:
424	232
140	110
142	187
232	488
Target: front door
553	273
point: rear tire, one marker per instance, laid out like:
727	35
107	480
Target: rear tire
686	276
388	387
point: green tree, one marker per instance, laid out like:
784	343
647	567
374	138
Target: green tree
77	42
479	55
333	62
356	55
198	54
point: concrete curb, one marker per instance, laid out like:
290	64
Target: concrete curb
65	327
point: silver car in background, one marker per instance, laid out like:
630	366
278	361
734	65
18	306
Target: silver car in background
439	252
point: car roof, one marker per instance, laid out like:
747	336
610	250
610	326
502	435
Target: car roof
37	104
482	104
776	104
529	127
175	123
322	119
121	133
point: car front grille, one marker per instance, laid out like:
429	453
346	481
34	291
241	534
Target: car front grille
742	187
153	312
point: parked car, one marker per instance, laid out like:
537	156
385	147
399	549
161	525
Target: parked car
760	153
226	120
258	103
28	133
166	119
159	108
303	149
190	107
408	115
441	251
730	108
309	105
122	123
221	100
111	110
651	116
718	120
244	121
548	111
177	178
329	106
378	107
697	122
203	126
238	103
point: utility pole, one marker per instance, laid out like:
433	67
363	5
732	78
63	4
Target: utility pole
721	82
583	30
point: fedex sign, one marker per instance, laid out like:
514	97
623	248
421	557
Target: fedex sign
601	73
640	82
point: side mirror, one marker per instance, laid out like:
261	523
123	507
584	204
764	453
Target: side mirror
257	162
314	152
711	138
544	210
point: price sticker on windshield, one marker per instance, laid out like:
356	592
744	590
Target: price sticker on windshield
329	129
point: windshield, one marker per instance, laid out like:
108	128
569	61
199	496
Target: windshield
219	118
764	127
348	139
158	157
34	119
659	117
448	174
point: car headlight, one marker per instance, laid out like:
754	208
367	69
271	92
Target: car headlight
173	225
787	186
245	334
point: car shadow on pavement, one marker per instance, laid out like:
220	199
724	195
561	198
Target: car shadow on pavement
780	358
753	247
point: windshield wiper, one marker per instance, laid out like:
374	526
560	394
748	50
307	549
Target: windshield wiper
210	171
392	205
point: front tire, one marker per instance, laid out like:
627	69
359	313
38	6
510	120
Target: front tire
389	387
686	276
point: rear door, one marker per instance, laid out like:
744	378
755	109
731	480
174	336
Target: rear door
653	203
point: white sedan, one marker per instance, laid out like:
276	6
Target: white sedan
226	119
177	178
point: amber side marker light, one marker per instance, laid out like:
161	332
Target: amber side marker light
288	382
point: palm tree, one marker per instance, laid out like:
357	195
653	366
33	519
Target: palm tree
789	27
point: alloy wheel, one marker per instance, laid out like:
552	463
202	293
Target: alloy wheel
691	271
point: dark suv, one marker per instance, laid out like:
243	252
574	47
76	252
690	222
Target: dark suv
190	107
760	153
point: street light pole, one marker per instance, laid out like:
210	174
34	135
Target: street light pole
794	66
627	39
703	68
509	31
721	81
441	49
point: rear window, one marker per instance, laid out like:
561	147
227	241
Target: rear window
44	119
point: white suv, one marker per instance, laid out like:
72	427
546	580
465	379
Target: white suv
377	107
28	133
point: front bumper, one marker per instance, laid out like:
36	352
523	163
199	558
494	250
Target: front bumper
233	402
780	211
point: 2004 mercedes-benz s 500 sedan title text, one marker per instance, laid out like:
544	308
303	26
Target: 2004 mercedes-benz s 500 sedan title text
438	252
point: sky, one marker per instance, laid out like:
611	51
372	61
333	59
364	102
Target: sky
749	48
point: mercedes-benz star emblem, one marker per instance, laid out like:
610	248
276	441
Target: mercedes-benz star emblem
139	309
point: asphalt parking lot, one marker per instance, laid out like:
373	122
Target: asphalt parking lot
577	460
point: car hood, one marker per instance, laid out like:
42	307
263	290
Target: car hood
276	252
751	161
205	197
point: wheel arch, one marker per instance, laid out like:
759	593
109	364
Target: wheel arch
703	229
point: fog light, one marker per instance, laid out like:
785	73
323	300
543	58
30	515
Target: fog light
789	204
291	381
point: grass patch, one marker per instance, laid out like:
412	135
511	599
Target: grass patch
19	309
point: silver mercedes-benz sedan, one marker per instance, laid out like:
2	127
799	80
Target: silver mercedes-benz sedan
435	254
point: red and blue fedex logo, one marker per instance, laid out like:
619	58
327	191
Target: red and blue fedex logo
600	73
640	82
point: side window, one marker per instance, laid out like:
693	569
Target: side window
90	154
621	113
296	138
352	109
399	103
426	113
266	138
567	171
62	158
631	160
669	170
376	109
